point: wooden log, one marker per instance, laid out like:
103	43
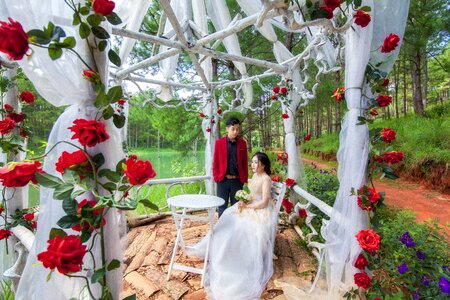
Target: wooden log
173	288
140	221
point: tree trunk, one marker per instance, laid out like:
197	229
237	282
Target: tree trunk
277	127
416	76
288	41
249	132
396	82
329	122
405	108
425	80
337	80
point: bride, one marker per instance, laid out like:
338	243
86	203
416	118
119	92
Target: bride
240	258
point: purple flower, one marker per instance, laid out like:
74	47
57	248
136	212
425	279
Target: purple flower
445	269
425	280
407	240
416	295
444	284
420	255
402	269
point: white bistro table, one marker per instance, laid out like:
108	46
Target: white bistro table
195	202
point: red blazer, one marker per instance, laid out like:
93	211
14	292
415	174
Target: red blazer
221	159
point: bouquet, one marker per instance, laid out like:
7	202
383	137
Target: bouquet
243	196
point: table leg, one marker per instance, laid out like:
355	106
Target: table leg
211	212
179	226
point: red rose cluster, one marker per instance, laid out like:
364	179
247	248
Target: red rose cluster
19	174
283	158
138	171
89	132
339	94
330	6
361	18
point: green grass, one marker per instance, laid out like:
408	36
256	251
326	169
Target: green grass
420	138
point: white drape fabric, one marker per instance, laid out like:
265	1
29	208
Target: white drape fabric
60	83
347	219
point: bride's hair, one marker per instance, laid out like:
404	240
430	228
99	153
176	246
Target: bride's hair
264	160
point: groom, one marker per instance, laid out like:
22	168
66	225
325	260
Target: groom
230	166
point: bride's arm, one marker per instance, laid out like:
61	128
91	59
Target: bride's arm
266	194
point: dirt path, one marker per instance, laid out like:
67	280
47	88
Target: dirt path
426	203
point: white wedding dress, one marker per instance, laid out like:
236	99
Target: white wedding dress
240	257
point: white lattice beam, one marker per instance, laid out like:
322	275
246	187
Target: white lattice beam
169	83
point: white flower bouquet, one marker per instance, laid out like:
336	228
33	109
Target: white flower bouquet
243	196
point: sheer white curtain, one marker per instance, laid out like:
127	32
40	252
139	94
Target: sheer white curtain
347	218
60	83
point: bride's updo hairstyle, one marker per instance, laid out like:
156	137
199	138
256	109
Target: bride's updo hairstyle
264	160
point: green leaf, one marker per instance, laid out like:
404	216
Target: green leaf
114	58
119	120
102	45
85	235
76	19
149	204
126	204
366	8
94	20
115	93
100	32
84	30
69	206
102	99
131	297
110	186
56	231
108	112
111	175
39	36
48	180
114	264
69	42
68	221
98	160
119	166
98	275
54	52
357	3
63	191
114	19
84	10
309	3
77	193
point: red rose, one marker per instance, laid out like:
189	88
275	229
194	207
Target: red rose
66	254
338	94
289	182
274	97
23	133
328	11
19	174
362	280
283	157
361	262
2	209
361	18
287	205
379	158
276	89
103	7
390	43
367	207
388	135
384	100
8	108
77	161
208	129
373	112
393	157
29	216
34	224
213	121
302	213
16	117
138	171
7	125
307	137
121	102
4	234
91	76
283	90
276	178
373	196
202	115
285	116
219	111
89	132
368	240
332	3
385	82
13	39
27	97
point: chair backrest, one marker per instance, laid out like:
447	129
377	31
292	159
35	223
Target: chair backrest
277	191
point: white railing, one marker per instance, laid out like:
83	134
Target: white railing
315	246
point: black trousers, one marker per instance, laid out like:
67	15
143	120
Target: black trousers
226	189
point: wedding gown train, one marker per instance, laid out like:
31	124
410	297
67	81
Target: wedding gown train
240	257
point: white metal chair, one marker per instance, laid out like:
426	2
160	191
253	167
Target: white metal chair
277	191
